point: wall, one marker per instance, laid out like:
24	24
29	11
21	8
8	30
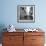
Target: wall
9	13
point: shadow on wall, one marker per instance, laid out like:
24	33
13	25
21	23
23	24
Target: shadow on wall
2	26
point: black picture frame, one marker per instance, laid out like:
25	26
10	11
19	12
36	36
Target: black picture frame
26	13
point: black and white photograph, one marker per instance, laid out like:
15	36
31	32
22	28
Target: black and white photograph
26	13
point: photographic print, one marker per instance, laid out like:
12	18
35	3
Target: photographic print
26	13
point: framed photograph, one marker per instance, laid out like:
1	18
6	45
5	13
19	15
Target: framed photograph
26	13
